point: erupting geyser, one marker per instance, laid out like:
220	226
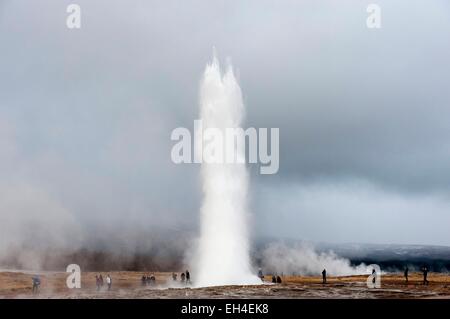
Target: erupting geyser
223	251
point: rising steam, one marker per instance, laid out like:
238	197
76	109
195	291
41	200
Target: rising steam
303	259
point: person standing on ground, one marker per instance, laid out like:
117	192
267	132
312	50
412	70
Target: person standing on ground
152	280
109	281
188	277
324	276
425	275
406	274
260	274
97	282
36	283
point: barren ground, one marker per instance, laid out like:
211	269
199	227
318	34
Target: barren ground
126	284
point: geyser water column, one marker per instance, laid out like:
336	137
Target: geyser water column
223	250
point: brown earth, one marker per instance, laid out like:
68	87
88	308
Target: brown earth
127	284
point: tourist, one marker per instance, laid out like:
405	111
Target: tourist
36	283
97	282
152	280
109	281
188	277
425	275
260	274
406	274
324	276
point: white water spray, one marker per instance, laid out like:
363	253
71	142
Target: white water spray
223	250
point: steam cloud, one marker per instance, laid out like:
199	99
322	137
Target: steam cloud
302	259
33	222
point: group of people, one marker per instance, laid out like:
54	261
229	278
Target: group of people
148	280
185	277
275	278
100	282
424	273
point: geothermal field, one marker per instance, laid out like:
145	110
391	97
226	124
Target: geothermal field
128	285
215	149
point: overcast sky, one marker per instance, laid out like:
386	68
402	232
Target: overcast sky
364	115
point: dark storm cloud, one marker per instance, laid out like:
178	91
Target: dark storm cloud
88	113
